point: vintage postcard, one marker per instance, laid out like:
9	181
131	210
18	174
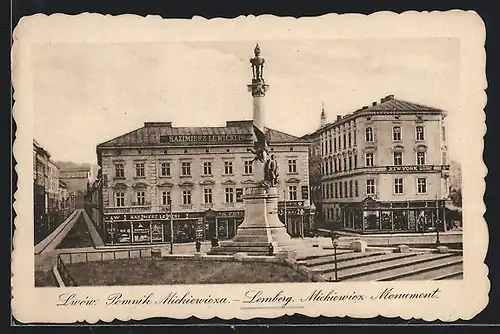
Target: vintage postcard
249	167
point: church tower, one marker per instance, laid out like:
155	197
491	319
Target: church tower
323	115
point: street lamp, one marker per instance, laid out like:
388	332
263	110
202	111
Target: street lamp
171	227
284	201
334	238
438	242
302	223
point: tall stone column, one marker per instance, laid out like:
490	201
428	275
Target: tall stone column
261	226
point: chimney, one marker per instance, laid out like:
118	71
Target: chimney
365	107
389	97
339	117
374	103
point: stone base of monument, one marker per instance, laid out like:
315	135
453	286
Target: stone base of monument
260	227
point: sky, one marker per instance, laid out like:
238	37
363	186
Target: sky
88	93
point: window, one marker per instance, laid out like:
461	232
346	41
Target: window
207	196
370	187
141	197
165	198
421	185
346	193
420	132
345	163
330	145
345	142
350	188
349	138
207	168
186	197
323	191
336	190
119	170
322	149
340	165
292	193
398	158
331	166
396	133
398	186
420	158
120	198
356	188
140	170
335	144
369	160
292	166
354	136
369	134
229	192
355	161
350	162
228	167
248	167
165	169
186	169
327	170
335	165
331	190
340	190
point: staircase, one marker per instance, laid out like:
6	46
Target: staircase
386	266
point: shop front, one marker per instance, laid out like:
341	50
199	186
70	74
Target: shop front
222	224
370	216
155	228
298	220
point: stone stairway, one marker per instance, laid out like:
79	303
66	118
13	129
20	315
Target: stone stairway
386	266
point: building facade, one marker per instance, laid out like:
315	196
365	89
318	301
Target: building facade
384	168
77	181
40	182
200	175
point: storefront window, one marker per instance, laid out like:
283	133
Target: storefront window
386	220
166	232
157	232
184	231
400	220
122	232
412	220
141	232
371	220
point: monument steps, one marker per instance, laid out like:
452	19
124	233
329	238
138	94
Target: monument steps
345	255
379	270
361	261
429	271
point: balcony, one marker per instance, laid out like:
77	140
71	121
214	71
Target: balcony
207	205
128	209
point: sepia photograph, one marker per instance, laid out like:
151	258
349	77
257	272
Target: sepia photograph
262	160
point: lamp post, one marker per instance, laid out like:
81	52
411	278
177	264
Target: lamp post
334	238
171	227
284	201
438	242
302	223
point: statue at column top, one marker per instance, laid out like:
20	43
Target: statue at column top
257	64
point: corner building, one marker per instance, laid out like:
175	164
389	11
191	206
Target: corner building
197	173
384	168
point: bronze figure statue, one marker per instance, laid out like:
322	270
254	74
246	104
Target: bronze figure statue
257	64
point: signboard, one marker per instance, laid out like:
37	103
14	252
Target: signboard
231	213
290	204
200	229
226	138
416	168
305	192
239	194
137	216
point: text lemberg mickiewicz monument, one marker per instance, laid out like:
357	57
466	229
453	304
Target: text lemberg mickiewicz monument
261	225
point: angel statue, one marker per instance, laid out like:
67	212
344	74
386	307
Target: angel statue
260	146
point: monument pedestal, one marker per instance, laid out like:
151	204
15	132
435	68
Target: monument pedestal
260	227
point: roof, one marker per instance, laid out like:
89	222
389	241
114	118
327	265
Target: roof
386	104
150	134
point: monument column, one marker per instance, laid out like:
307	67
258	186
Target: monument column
261	226
258	88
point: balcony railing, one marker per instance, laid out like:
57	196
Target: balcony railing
128	209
